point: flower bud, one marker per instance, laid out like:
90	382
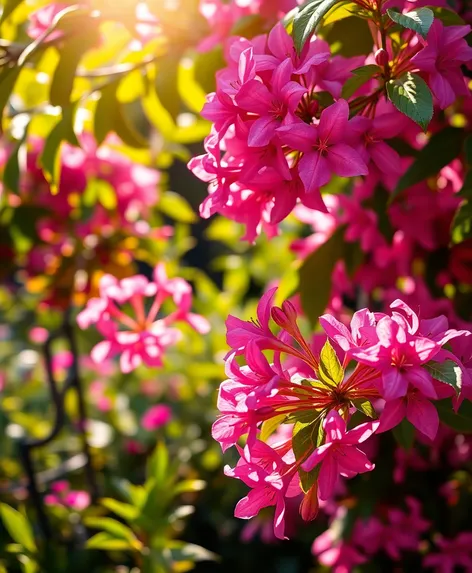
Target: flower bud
381	58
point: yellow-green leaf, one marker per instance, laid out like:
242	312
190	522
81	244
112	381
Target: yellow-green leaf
18	527
330	370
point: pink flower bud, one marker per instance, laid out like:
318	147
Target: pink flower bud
381	58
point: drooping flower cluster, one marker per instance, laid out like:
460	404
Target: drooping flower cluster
141	336
285	123
393	365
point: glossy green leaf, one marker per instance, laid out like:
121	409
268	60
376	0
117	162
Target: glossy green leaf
158	464
307	19
360	76
440	150
189	485
306	437
448	372
460	421
418	20
447	17
330	370
18	527
365	407
8	77
410	94
269	426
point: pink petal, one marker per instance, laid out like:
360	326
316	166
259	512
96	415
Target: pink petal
422	380
423	415
386	158
314	171
316	457
101	351
393	413
328	477
333	122
298	136
337	331
442	89
360	433
334	426
345	161
354	461
262	131
255	500
395	385
279	523
254	97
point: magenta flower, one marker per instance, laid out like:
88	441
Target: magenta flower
271	479
275	107
445	52
140	337
452	553
156	417
339	454
403	530
324	152
62	495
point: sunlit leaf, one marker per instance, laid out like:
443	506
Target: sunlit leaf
18	527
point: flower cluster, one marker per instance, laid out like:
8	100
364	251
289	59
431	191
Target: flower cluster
386	366
141	336
285	123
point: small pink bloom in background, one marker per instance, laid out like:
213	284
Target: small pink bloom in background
134	448
156	417
77	500
98	396
38	335
3	381
139	337
452	553
41	19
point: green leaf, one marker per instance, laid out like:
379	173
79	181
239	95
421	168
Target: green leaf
330	369
22	227
410	94
460	421
269	426
112	526
315	276
365	407
418	20
360	77
306	437
8	8
123	510
447	372
107	542
166	83
462	224
447	17
105	193
110	116
182	551
70	55
11	173
8	77
175	206
50	156
189	485
440	150
18	527
158	464
307	19
404	434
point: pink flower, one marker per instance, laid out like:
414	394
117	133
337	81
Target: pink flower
264	470
339	454
324	152
62	495
453	553
445	52
156	417
403	530
141	338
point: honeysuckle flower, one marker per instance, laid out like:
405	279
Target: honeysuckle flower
445	52
339	454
